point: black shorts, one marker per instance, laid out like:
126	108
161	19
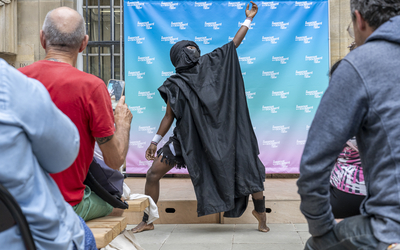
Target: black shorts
171	153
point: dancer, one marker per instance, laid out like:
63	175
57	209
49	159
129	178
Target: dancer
214	137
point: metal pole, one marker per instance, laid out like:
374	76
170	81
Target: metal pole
121	39
112	36
87	32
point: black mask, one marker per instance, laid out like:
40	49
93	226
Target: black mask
182	57
195	52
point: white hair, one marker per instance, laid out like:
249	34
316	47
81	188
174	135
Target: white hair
56	38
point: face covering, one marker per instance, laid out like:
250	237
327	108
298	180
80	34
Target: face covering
195	52
182	57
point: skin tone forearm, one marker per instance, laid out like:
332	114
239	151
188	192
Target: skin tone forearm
115	147
165	125
237	40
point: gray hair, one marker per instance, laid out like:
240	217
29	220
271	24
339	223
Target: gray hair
57	38
375	12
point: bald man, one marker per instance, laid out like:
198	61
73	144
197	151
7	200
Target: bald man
85	100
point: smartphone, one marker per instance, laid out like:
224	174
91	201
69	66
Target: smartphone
115	89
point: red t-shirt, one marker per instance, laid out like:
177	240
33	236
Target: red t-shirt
85	100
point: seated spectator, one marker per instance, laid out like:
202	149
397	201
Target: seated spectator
85	100
362	100
347	182
31	147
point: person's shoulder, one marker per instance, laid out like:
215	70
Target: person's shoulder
30	67
86	79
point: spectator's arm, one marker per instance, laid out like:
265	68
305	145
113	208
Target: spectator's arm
115	147
338	118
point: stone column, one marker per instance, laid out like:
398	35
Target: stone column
8	27
29	19
340	18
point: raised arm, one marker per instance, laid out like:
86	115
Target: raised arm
250	14
165	125
115	147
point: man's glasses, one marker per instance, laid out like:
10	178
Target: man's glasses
350	30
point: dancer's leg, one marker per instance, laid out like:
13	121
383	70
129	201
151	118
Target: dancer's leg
259	211
152	188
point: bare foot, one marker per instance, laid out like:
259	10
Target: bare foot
142	226
262	221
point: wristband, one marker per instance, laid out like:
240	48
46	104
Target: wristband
154	143
247	22
157	138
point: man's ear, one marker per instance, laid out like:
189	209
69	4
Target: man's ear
42	39
360	21
84	43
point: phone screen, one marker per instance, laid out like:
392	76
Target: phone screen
115	89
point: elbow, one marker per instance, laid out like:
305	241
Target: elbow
115	163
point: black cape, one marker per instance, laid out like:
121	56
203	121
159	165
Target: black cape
215	132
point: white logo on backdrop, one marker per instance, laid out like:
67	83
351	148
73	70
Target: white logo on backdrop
251	25
167	73
138	109
300	142
169	39
170	5
314	24
315	93
238	5
203	39
138	5
282	94
244	73
148	94
247	59
280	59
272	74
304	73
281	25
148	129
270	108
147	59
272	143
214	25
163	108
281	128
306	108
137	39
316	59
205	5
304	4
254	128
272	5
138	144
145	163
308	127
230	38
304	39
148	25
250	95
282	163
271	39
181	25
138	74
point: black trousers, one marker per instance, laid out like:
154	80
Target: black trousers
344	204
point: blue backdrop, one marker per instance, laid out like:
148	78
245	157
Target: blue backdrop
284	60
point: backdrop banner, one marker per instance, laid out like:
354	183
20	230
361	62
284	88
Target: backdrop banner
284	60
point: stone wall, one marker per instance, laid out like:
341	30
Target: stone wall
29	20
31	13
